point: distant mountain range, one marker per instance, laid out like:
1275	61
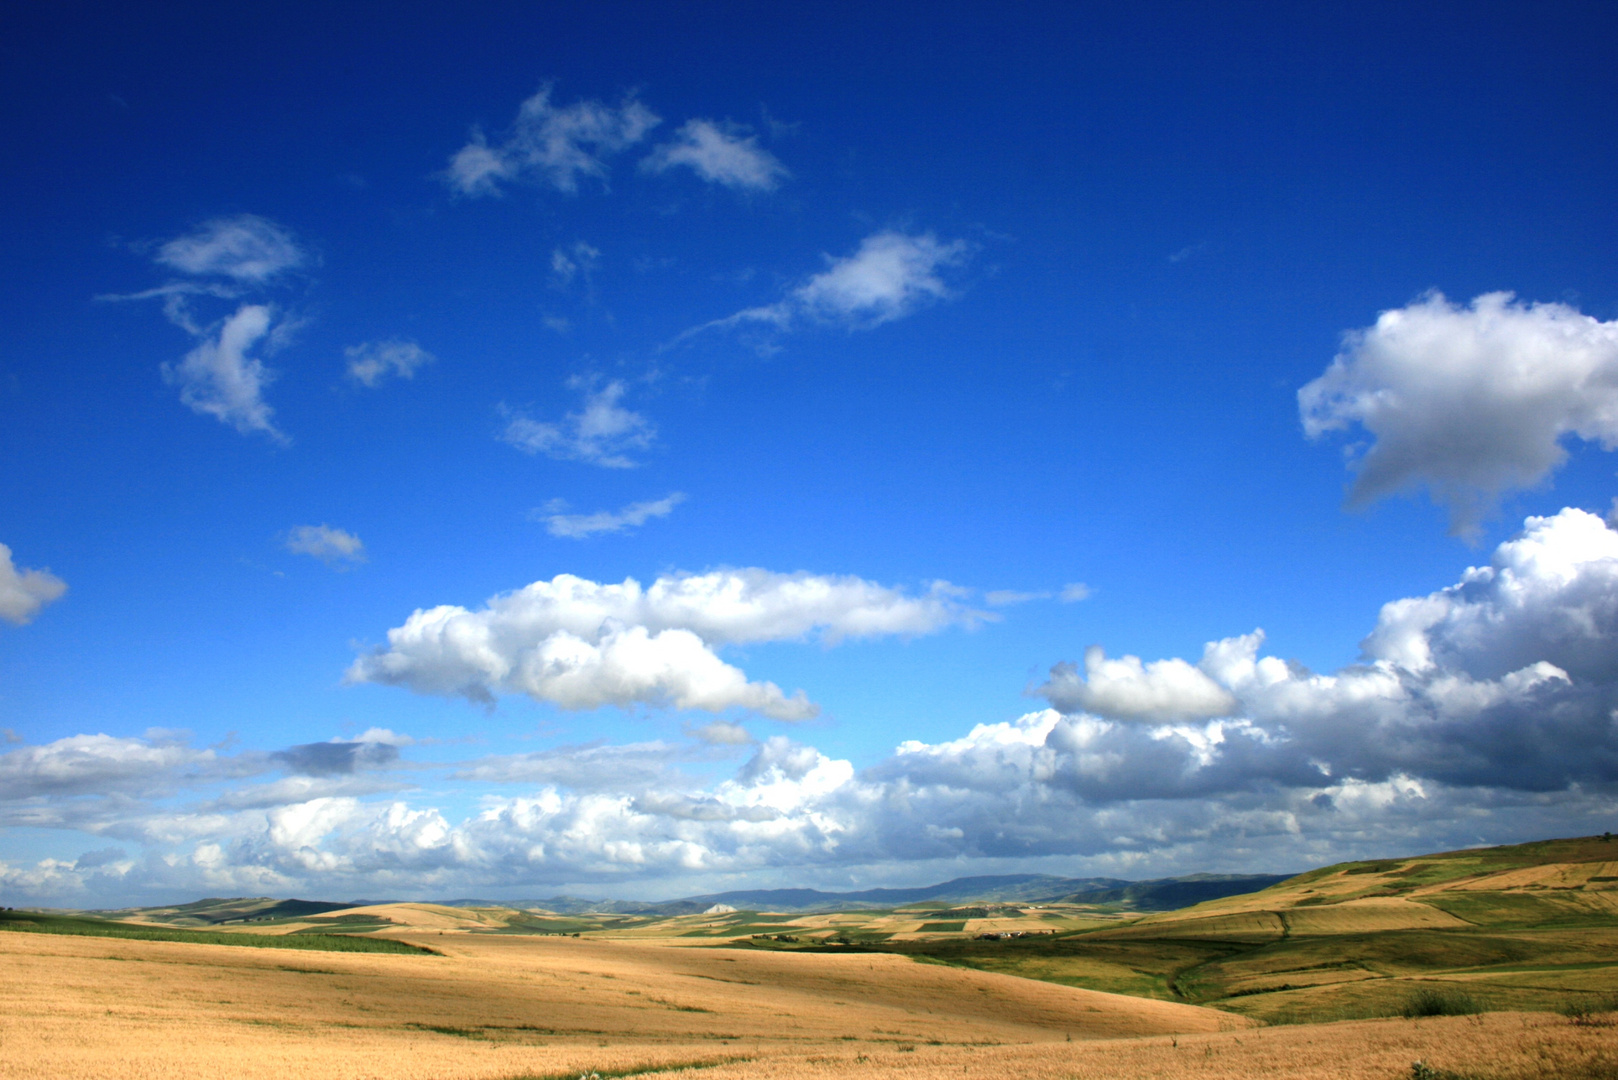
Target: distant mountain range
1163	894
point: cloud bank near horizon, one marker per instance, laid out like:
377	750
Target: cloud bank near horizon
1485	704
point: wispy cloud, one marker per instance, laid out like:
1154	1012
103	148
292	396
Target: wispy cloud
888	277
725	154
578	526
244	248
602	433
550	144
1010	597
1074	592
372	363
578	260
334	547
221	378
23	591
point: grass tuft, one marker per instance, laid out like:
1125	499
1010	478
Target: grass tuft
1429	1001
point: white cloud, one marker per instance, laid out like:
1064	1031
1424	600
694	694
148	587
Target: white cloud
890	276
579	526
245	248
550	144
371	363
1074	592
220	378
1125	689
1470	401
1009	597
1480	713
602	433
720	154
580	645
331	546
595	767
96	765
721	733
23	592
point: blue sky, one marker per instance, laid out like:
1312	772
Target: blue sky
635	452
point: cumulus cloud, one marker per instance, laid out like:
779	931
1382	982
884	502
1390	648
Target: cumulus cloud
579	526
23	591
334	547
246	248
1126	689
602	433
1480	712
579	644
891	275
374	362
1470	401
221	378
97	764
550	144
721	154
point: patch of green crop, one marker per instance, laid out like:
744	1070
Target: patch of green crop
77	926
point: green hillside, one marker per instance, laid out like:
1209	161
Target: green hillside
1530	926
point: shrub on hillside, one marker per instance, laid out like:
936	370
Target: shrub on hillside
1430	1001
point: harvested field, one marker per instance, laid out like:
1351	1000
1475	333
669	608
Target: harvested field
498	1008
506	1006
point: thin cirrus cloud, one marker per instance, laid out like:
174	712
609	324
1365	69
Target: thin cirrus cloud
602	432
246	249
724	154
1071	593
23	591
580	526
374	362
579	644
334	547
576	261
1470	401
888	277
555	145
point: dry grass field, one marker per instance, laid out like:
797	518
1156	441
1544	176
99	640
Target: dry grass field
507	1007
1306	976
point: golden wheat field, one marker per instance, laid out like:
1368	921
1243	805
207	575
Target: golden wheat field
520	1006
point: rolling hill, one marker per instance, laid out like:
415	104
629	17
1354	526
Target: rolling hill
1528	926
